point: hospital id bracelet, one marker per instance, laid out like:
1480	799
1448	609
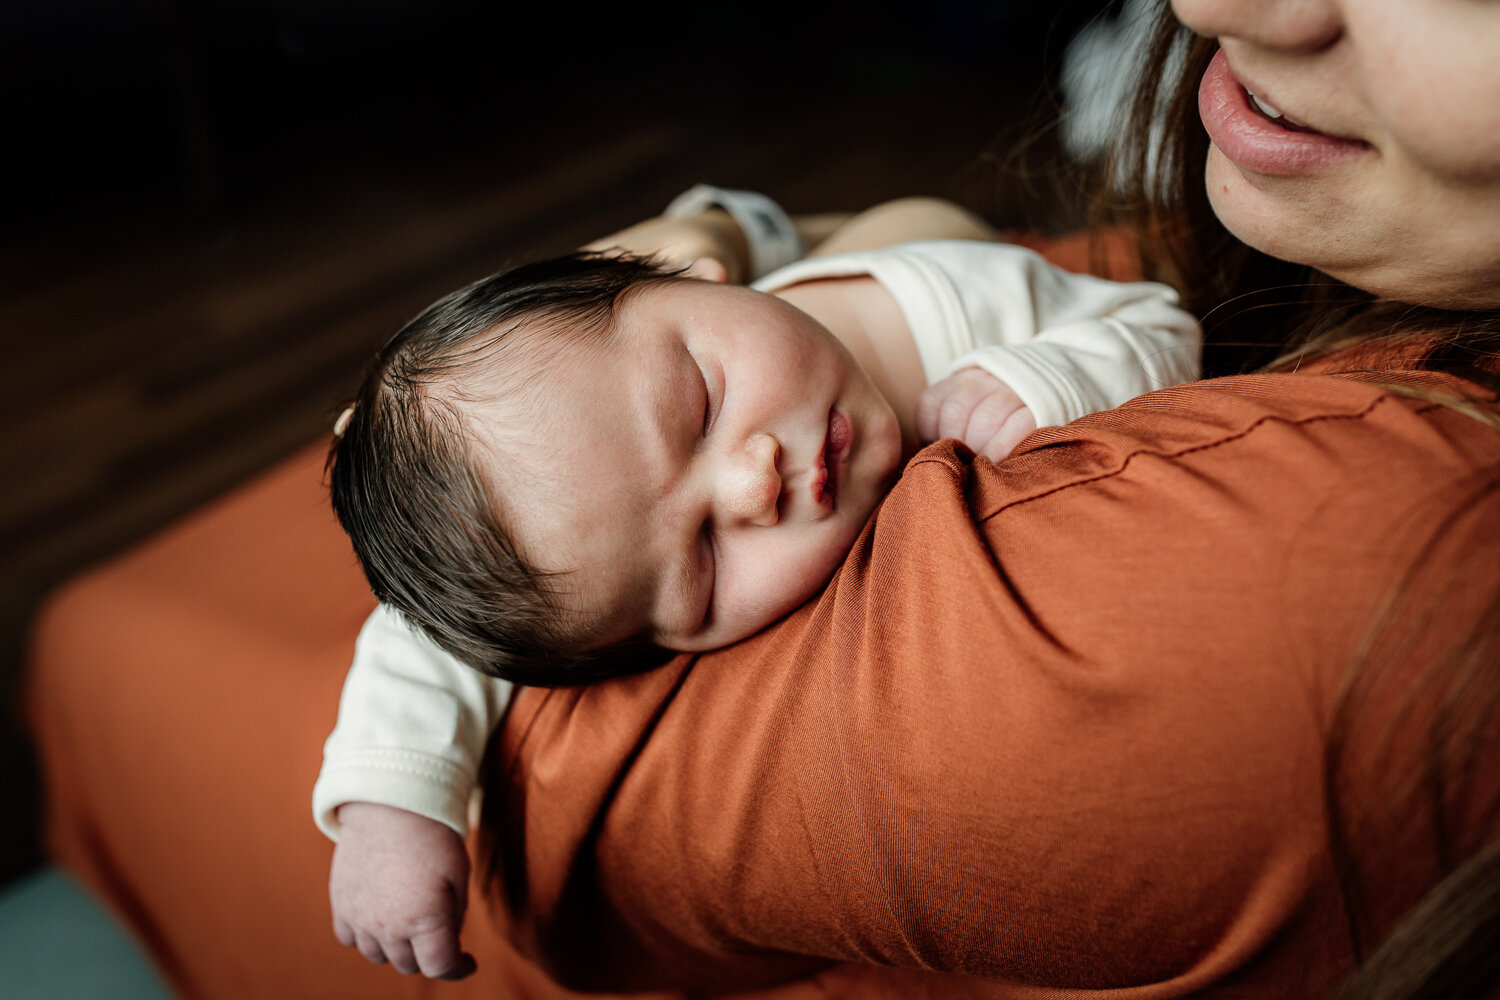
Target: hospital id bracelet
769	232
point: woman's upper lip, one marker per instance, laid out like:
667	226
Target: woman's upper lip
1267	97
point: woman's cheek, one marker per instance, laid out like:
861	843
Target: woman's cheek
1432	81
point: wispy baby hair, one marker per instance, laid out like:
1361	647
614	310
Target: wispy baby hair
425	522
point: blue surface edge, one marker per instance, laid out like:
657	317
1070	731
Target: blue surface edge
58	943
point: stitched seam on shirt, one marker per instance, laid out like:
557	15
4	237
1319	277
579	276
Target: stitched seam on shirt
405	761
397	768
395	752
1194	449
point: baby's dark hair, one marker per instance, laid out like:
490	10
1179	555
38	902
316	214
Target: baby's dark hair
423	519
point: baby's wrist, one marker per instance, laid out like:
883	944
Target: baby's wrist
373	827
354	815
719	227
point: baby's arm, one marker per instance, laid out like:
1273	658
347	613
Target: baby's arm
710	233
695	230
1063	345
905	220
398	774
1006	341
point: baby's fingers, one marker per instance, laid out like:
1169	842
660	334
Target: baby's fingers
943	409
439	957
369	947
988	416
399	954
1003	440
948	409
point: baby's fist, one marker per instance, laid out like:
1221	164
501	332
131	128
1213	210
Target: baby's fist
399	887
978	409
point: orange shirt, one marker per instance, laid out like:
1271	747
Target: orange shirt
1057	725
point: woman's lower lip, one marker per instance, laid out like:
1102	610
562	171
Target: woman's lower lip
1252	141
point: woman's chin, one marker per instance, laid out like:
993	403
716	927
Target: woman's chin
1263	217
1272	219
1304	224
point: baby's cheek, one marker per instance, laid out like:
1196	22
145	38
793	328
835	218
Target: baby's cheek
794	574
778	573
832	548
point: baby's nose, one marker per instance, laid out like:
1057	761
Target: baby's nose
751	488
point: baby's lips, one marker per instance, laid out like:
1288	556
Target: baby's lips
834	448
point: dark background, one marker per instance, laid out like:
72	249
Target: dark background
211	212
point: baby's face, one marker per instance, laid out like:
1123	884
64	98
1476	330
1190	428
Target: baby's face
702	473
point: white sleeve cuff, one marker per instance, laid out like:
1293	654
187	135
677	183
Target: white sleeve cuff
1082	367
412	727
421	783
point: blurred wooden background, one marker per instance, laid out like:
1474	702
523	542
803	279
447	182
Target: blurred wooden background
218	210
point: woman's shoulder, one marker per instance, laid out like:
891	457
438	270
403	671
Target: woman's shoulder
1259	429
1263	511
1132	631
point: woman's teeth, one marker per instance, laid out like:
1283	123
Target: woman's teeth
1277	116
1265	108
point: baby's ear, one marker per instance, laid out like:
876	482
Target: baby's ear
708	269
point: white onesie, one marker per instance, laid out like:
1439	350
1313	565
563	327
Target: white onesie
413	721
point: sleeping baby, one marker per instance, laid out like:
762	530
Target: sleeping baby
581	466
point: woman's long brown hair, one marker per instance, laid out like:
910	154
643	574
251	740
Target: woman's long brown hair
1259	312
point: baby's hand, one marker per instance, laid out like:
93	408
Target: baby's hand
978	409
399	887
